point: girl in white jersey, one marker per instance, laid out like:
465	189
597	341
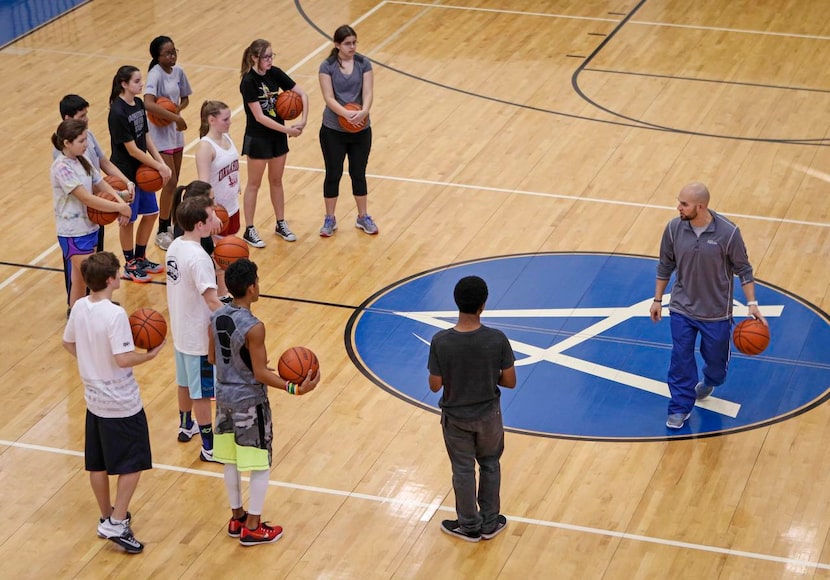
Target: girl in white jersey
217	160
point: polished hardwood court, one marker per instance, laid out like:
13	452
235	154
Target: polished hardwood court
500	127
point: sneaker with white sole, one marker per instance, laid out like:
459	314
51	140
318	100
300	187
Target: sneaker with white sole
676	420
367	224
329	226
186	434
164	239
252	237
264	534
453	528
702	390
501	523
284	232
119	532
101	521
206	455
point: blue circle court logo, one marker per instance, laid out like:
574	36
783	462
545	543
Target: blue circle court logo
590	362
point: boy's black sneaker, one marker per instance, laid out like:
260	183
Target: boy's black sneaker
452	528
501	523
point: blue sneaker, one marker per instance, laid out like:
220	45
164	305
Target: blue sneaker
329	226
366	224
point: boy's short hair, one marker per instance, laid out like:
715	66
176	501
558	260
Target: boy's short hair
470	294
71	104
98	268
191	211
240	276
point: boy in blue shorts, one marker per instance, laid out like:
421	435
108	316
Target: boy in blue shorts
117	439
243	413
191	297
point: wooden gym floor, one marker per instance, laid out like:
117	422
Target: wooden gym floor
500	127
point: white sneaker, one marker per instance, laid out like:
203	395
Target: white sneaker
164	239
206	455
186	434
119	532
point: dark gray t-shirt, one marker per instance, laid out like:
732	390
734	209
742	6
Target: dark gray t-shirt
469	364
236	386
347	89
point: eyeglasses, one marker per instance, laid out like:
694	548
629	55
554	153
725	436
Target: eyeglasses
267	56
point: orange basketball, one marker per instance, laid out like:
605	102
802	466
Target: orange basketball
148	327
228	250
296	363
346	124
148	178
289	105
223	216
115	183
164	103
751	336
99	217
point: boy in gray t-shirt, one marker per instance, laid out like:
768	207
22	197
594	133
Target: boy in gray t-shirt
471	361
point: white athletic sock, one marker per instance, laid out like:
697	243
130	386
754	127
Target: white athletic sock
259	485
233	483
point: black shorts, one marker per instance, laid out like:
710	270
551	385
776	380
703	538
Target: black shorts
275	145
117	446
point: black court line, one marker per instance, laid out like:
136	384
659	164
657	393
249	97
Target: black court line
161	283
634	123
819	141
700	80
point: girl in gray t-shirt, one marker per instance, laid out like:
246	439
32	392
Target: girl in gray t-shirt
346	83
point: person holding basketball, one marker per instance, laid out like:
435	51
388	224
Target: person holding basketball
117	440
244	430
705	251
346	77
131	146
217	160
266	135
166	79
74	184
470	362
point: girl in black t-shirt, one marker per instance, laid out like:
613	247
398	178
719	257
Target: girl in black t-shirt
131	147
266	135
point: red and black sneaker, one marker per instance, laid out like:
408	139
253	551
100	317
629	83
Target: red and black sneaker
235	525
264	534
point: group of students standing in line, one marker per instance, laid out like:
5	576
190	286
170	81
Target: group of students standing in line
345	77
206	330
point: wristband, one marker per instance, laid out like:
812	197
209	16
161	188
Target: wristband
752	303
291	388
660	300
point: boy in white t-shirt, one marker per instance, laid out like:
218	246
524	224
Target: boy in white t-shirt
117	439
191	297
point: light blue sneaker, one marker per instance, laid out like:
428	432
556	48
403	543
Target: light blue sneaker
366	224
703	390
676	420
329	226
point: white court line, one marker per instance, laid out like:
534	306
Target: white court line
432	509
615	20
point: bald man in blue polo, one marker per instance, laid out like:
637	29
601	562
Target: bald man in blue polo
706	252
